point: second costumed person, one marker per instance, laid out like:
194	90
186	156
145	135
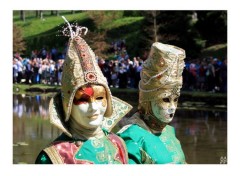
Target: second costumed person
149	138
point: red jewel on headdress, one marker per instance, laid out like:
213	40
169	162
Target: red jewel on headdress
159	76
91	77
82	55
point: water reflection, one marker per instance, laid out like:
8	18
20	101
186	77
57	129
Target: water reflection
203	134
30	106
31	128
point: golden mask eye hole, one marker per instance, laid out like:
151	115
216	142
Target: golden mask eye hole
81	100
166	100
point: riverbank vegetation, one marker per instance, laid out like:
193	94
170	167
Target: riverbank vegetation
196	31
43	88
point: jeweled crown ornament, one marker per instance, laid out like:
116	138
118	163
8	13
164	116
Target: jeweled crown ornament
162	72
80	69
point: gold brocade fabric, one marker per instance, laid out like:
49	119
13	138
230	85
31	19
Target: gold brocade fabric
80	68
161	75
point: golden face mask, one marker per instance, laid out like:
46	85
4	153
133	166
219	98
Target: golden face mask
89	106
164	108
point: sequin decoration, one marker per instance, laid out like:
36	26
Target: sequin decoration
86	60
90	77
161	63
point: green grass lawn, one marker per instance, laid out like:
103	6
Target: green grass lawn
22	88
219	51
36	26
40	33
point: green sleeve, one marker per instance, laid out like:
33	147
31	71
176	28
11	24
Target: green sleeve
43	158
134	137
134	152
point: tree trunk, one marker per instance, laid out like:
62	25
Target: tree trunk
22	15
155	25
37	13
41	14
52	12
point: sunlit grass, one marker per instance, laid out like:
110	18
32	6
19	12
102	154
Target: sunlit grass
122	22
35	26
219	51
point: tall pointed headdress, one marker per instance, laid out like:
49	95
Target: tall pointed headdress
162	72
80	69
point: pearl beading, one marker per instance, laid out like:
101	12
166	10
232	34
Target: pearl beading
167	78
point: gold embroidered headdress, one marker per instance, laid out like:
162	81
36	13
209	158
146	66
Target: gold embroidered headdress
80	69
162	72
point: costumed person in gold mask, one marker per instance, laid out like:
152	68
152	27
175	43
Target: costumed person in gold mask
85	111
149	138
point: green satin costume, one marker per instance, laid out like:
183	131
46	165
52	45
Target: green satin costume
109	149
145	147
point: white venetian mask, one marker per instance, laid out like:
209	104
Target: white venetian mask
89	106
164	109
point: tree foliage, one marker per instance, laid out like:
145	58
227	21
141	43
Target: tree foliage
212	25
191	30
98	39
18	42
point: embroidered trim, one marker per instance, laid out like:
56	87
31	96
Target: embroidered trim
54	155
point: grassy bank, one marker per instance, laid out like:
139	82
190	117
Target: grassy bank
219	51
45	32
36	88
115	25
185	95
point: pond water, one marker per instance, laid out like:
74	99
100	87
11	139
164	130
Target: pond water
202	132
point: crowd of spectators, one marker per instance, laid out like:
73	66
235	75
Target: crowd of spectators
43	67
122	71
205	74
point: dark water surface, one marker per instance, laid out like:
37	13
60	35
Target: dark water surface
202	132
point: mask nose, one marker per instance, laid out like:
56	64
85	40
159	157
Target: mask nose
93	107
171	110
